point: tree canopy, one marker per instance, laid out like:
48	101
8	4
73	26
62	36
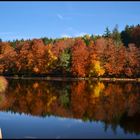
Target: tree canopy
115	54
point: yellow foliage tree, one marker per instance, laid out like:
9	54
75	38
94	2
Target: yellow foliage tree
50	61
96	69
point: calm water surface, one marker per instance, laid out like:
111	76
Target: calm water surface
60	109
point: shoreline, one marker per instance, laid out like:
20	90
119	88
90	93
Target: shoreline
74	79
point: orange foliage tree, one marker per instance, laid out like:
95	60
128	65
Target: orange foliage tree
79	58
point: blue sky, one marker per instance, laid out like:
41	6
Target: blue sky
58	19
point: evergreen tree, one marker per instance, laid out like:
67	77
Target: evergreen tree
116	36
126	35
107	33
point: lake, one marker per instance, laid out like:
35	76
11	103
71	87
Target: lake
70	109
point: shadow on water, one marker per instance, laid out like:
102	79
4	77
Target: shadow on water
112	103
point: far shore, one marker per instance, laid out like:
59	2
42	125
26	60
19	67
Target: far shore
75	78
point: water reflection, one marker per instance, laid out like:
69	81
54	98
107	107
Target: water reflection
114	104
3	84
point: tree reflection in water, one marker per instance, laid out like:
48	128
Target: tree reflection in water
3	84
114	104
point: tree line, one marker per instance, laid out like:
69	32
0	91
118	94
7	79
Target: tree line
113	54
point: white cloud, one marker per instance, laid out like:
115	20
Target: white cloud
65	35
80	34
76	34
5	33
60	16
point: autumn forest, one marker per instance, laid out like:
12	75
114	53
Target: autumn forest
113	54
